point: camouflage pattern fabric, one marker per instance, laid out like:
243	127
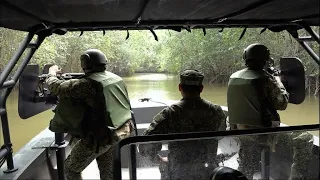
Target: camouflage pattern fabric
302	152
186	157
251	146
191	77
275	93
84	152
81	89
250	154
299	144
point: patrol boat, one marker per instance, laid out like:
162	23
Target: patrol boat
42	157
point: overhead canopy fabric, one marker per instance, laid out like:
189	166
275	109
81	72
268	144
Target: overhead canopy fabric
27	15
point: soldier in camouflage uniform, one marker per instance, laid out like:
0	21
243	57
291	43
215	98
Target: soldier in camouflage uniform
253	97
84	111
187	159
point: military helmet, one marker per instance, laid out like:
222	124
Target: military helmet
91	58
191	77
257	52
226	173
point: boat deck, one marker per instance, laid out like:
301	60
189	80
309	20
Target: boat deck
226	146
92	172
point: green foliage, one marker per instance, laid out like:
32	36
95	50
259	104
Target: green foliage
217	54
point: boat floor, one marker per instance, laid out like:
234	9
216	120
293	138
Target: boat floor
226	145
92	172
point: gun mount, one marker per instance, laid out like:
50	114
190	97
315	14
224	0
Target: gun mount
34	95
292	74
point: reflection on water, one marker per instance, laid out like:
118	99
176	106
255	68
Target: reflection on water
159	87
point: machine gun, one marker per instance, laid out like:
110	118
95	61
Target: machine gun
292	75
270	68
34	95
62	76
43	93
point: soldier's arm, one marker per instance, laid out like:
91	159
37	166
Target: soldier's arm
159	125
74	88
222	118
276	93
218	121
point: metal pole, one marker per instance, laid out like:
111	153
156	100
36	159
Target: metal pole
25	62
2	111
7	142
133	151
60	155
313	34
265	164
7	84
117	163
3	152
310	51
133	162
4	94
6	71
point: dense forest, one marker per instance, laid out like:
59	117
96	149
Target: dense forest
217	54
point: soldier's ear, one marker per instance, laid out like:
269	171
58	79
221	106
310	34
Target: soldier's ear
180	89
201	88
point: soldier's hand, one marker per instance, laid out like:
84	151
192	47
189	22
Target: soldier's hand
53	70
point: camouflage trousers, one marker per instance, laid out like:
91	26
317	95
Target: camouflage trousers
84	152
299	144
302	151
250	154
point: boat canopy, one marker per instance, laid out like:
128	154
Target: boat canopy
84	15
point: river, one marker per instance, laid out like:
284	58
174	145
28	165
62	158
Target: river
158	87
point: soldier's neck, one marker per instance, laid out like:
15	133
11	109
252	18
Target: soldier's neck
191	96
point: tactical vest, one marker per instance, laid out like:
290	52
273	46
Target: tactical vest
70	113
244	98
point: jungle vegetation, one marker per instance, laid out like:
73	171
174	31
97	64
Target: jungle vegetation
217	54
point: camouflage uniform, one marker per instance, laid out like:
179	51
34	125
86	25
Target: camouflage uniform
84	152
302	153
299	145
186	159
274	92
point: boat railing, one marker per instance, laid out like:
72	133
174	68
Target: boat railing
132	142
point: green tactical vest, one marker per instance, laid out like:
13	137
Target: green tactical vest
69	113
244	102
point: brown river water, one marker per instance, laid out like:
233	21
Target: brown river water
159	87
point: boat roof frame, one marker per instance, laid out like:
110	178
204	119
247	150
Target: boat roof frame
45	28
